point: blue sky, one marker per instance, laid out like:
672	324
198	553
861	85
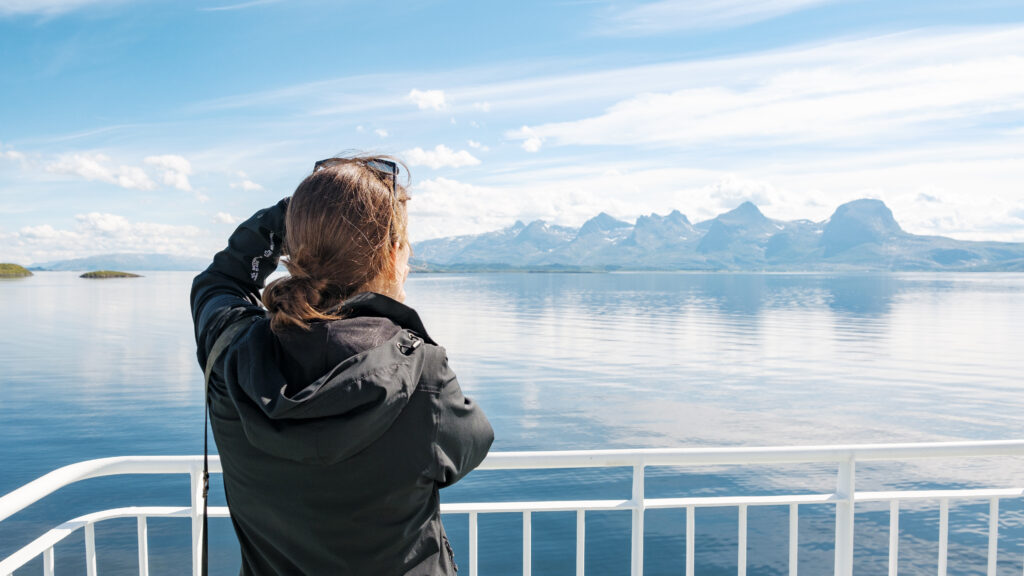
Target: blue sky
155	126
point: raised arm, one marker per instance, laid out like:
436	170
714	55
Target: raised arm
229	288
463	433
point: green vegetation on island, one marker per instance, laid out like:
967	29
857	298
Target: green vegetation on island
109	274
13	271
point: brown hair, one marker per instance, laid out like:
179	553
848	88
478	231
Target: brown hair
342	224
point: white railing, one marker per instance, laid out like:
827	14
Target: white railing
843	498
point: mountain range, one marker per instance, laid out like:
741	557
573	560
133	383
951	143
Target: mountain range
134	262
860	235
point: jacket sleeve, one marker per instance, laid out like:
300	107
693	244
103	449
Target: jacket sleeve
463	433
229	288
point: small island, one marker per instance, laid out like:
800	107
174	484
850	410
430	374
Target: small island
109	274
13	271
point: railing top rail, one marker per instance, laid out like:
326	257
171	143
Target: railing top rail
50	483
750	455
45	485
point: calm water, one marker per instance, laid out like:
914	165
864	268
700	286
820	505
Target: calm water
90	369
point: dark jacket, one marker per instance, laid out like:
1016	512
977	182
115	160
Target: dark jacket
334	441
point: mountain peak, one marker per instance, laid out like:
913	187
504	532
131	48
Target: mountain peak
603	222
745	213
859	222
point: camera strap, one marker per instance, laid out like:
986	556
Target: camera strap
223	341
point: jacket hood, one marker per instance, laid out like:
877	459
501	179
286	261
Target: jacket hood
343	410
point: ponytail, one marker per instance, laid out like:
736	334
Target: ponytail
298	299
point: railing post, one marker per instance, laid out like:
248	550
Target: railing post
637	556
473	544
993	536
894	537
943	535
844	518
143	536
581	539
527	544
90	549
794	539
690	536
741	555
196	475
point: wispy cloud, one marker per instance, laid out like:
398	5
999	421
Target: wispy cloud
674	15
48	7
12	154
872	90
239	6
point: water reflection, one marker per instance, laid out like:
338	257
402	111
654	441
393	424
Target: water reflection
863	294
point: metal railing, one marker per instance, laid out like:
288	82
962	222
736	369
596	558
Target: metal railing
843	498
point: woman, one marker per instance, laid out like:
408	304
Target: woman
336	417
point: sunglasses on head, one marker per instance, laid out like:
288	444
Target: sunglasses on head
380	165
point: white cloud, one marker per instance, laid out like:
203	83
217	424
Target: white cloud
239	6
88	166
360	129
93	167
106	224
43	232
531	141
175	170
101	233
532	144
134	177
381	132
47	7
12	155
477	145
672	15
428	99
482	106
445	207
247	185
440	157
225	218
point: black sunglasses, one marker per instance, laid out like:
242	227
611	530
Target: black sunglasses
380	165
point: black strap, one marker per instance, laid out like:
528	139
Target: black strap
223	341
